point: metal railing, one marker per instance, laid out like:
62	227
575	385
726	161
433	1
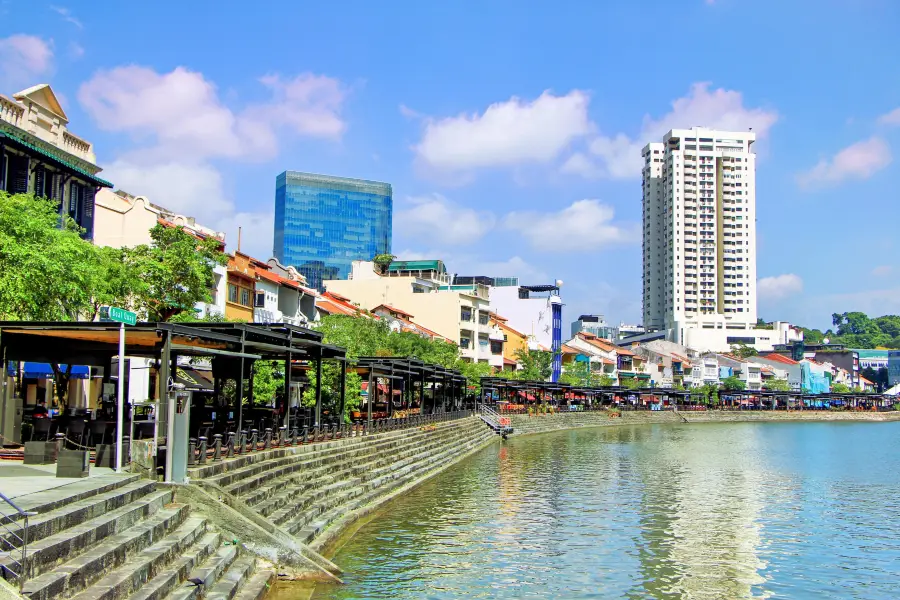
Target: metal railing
232	444
14	542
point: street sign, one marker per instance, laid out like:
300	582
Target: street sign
119	315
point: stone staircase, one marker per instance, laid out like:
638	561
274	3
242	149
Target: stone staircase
305	490
127	539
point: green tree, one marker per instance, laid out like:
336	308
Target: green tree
634	383
733	384
743	350
536	365
777	385
577	373
840	388
177	271
116	282
605	380
48	272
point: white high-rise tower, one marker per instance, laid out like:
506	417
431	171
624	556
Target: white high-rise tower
700	236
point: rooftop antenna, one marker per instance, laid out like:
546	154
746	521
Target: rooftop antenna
239	239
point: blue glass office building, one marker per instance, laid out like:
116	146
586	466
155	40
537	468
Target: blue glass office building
324	223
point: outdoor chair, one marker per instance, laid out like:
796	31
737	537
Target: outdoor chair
75	431
41	429
98	432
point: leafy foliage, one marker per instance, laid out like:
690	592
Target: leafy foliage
49	272
733	384
578	372
536	365
840	388
177	271
778	385
857	330
743	351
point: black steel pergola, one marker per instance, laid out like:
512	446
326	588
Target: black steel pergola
413	377
232	347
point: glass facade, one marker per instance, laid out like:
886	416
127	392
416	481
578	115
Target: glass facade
324	223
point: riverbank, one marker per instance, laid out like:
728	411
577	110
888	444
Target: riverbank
528	425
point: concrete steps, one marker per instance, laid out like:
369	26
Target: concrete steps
307	527
346	473
128	540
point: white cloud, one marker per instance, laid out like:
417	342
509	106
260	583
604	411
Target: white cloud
584	225
436	218
580	164
882	270
182	115
194	190
507	133
858	161
76	50
22	59
180	125
891	118
197	190
472	264
67	16
779	287
409	113
256	232
619	156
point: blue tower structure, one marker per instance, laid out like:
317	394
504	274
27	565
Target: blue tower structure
556	341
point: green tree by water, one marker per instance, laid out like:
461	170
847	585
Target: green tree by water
177	271
733	384
535	365
777	385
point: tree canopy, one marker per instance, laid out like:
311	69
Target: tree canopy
51	274
856	330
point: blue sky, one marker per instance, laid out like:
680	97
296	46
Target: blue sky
510	131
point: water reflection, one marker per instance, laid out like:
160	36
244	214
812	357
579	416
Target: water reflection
690	511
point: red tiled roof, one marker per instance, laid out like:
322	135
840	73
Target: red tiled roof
593	340
503	325
864	380
337	305
685	362
569	350
402	313
606	361
497	317
781	358
507	361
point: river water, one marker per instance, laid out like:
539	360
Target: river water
745	510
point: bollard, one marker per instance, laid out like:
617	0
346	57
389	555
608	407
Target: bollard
201	459
254	439
267	439
242	443
192	452
282	435
305	434
294	435
217	447
229	448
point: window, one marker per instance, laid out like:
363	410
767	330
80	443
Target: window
232	293
245	296
465	314
260	300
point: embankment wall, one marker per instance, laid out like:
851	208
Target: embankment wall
525	425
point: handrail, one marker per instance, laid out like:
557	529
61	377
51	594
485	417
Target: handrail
11	542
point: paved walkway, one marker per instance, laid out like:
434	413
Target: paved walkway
18	480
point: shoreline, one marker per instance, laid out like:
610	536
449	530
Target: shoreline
524	425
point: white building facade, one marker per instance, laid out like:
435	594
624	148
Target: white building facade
699	247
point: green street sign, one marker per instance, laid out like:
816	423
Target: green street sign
119	315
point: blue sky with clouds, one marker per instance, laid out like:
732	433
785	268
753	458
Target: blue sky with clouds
510	131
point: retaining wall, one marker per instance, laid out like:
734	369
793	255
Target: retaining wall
524	424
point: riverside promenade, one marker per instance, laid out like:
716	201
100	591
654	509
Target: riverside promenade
543	423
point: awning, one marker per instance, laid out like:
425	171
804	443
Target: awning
33	370
59	161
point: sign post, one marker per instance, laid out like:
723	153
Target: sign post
123	317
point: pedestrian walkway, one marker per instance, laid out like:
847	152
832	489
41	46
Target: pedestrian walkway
18	480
